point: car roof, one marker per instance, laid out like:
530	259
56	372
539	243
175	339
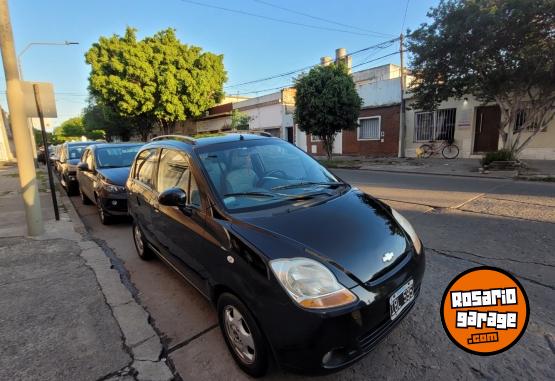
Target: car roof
86	143
122	144
187	143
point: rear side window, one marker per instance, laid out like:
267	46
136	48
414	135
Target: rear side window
144	167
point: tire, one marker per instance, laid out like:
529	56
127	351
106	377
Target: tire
84	199
105	218
141	245
450	151
242	335
426	150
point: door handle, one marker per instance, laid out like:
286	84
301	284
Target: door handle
481	122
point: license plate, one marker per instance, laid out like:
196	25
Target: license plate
401	299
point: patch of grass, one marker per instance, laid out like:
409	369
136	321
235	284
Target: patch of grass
340	163
13	175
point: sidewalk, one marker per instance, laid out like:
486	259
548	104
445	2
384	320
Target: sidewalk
65	313
541	170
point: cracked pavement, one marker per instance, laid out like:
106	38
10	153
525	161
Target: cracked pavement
463	223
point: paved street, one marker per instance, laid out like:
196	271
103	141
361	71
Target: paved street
463	222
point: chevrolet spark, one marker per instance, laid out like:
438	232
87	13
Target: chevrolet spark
302	268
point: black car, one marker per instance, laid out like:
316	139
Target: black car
102	174
69	157
302	267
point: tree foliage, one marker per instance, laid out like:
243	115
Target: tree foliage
239	120
326	103
154	80
497	50
72	128
100	117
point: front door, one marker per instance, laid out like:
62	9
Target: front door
486	134
180	231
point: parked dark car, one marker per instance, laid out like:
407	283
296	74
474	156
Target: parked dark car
70	156
102	175
302	267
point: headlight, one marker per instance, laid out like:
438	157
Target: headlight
405	224
311	284
113	188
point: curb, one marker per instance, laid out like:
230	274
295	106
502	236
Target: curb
140	339
424	173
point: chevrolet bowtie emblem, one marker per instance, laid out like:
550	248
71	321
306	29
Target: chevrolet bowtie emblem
388	257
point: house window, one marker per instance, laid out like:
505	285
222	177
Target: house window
369	128
315	138
435	125
521	117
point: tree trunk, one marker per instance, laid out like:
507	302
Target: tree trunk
328	145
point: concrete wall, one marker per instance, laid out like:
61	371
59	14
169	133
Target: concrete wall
380	93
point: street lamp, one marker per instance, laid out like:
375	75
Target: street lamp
39	43
30	124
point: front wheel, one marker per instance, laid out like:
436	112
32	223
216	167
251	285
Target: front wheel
242	335
144	252
105	218
450	151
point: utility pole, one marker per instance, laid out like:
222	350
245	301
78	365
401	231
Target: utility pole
21	134
402	114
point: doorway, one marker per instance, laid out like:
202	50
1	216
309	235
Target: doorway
486	133
290	135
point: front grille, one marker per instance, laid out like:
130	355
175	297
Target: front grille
369	340
382	275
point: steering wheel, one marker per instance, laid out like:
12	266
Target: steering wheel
271	173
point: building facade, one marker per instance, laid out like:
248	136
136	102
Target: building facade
474	128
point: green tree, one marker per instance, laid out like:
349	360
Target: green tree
72	128
326	103
497	50
98	117
239	120
155	80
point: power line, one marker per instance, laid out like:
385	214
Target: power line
375	59
320	18
405	16
381	45
289	85
245	13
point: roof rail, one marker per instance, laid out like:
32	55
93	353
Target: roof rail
183	138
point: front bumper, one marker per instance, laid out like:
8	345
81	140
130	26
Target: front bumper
321	342
114	203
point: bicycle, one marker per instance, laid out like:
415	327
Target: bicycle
448	150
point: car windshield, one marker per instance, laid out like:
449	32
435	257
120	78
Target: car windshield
117	156
75	152
262	172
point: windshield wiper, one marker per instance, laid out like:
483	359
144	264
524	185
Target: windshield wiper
305	183
247	194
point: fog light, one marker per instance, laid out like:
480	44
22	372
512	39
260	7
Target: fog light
114	202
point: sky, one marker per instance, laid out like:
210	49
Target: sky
258	38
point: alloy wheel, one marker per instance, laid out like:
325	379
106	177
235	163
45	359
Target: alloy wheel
239	334
138	237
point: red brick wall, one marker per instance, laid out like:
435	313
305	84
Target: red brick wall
387	146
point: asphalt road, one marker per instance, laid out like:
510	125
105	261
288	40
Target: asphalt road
463	222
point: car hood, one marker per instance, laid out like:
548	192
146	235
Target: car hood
116	176
353	231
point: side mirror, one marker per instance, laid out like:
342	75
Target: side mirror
173	197
83	167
